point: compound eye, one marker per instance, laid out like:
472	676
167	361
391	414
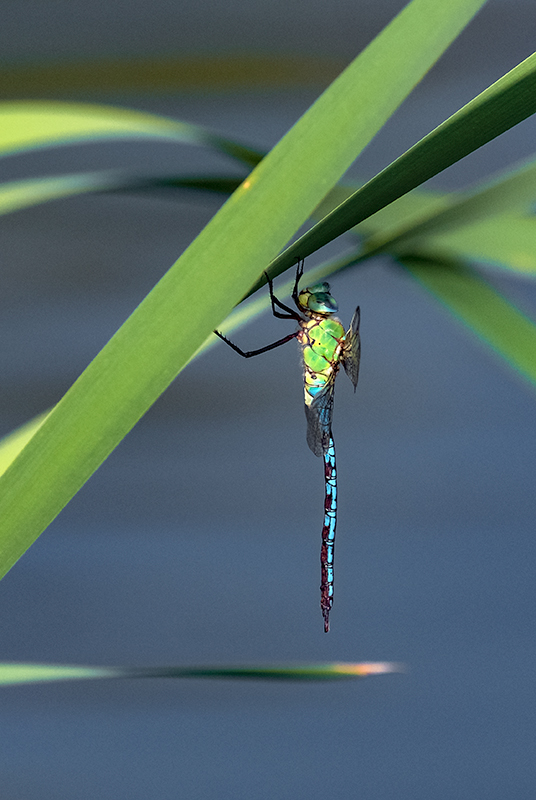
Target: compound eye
319	288
323	303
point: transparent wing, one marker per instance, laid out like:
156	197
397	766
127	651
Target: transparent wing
351	350
319	415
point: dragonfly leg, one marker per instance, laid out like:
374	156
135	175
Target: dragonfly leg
299	273
275	303
250	353
291	314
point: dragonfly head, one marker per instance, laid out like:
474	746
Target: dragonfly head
318	299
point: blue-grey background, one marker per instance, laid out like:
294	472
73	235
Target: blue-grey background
198	540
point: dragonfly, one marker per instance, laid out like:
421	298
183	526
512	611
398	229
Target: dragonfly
325	345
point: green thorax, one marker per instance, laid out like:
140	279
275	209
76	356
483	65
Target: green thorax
321	338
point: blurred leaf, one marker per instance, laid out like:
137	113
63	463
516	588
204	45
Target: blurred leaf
15	674
167	74
507	102
26	125
484	310
157	340
508	242
16	195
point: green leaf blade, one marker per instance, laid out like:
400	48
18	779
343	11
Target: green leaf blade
495	320
505	242
26	126
17	195
13	443
508	193
504	104
13	674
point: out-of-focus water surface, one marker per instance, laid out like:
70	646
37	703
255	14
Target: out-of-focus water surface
435	557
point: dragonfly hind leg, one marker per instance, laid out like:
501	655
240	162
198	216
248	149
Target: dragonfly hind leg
250	353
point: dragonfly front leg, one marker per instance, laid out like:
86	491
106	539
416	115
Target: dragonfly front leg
250	353
291	314
299	273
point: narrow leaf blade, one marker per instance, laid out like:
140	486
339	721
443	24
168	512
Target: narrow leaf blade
26	125
13	674
506	242
508	101
17	195
507	193
495	320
